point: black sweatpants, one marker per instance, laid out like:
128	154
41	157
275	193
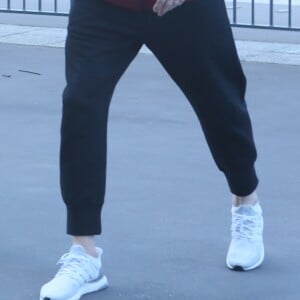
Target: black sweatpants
194	44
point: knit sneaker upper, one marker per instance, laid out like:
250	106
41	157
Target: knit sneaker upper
77	269
246	249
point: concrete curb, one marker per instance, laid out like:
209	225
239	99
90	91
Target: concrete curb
279	53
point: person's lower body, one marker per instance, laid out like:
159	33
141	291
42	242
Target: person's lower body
195	45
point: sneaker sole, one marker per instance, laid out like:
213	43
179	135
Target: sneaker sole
86	289
241	268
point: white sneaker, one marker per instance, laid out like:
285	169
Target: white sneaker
79	274
246	250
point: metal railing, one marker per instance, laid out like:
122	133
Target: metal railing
40	7
270	14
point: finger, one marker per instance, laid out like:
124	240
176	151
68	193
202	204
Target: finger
163	5
170	5
163	11
175	3
179	2
158	5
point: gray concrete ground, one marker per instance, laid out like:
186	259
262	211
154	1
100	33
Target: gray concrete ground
167	211
249	49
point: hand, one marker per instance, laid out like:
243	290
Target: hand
161	7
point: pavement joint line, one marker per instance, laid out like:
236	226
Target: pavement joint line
17	33
252	51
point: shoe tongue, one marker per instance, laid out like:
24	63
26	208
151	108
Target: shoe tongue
77	249
245	210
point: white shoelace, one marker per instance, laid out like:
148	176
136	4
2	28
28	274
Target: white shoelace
77	267
245	227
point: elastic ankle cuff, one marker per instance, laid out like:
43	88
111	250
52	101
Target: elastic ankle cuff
242	183
83	221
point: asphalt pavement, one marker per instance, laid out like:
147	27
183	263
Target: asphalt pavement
167	211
